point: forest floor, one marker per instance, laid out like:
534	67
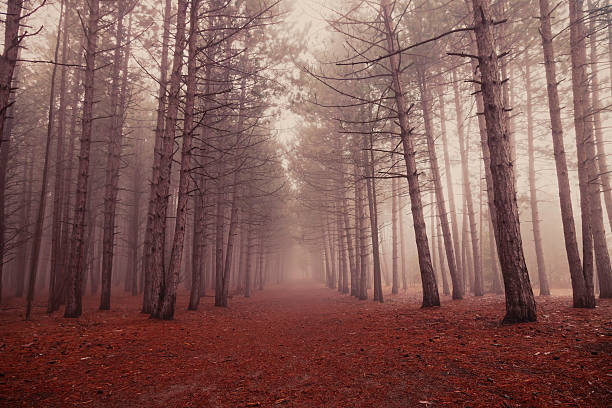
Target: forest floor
301	345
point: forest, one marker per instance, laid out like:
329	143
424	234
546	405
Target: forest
242	203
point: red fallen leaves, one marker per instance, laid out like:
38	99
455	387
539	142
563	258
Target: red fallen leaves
306	346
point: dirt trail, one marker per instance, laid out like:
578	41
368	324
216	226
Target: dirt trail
301	345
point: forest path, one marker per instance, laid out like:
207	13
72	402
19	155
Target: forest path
302	345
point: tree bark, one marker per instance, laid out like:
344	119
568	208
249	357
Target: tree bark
535	216
426	107
361	235
520	304
148	250
431	296
458	292
40	218
170	282
395	238
584	135
8	59
112	170
478	287
57	265
604	272
368	161
74	292
581	296
159	274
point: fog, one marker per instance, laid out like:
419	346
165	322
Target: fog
195	160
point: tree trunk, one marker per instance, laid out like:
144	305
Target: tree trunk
535	216
361	234
581	295
403	242
197	253
113	162
160	276
458	291
426	106
230	241
134	228
332	253
478	287
395	243
342	253
8	59
584	135
428	279
40	218
604	272
57	265
520	304
170	282
368	161
352	254
249	257
445	288
148	249
74	292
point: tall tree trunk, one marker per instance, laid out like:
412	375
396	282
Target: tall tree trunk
428	279
230	241
467	191
535	216
368	161
5	133
197	254
458	279
352	251
74	292
113	159
159	274
343	275
59	195
604	272
360	234
581	295
584	135
395	238
170	282
69	187
445	288
134	228
426	106
520	304
40	217
22	257
249	258
403	243
148	249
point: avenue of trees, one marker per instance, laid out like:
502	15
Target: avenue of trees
139	151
